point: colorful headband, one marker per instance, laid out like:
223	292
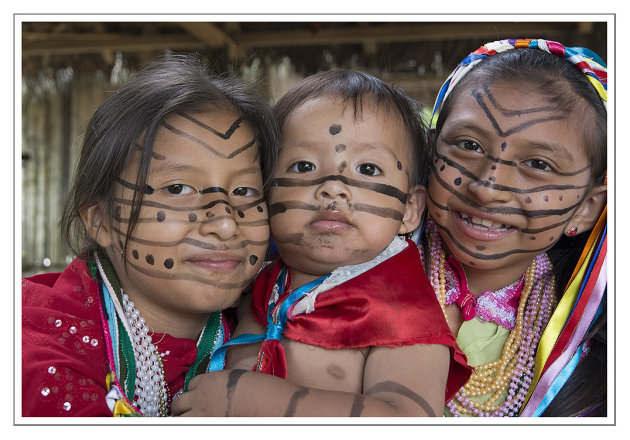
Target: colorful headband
589	63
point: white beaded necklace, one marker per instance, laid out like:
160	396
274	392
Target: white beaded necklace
151	390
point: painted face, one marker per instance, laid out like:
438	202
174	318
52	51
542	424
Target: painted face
508	173
203	228
340	187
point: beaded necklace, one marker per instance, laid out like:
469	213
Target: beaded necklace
513	371
137	383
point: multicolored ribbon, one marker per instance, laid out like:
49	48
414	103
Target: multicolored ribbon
589	63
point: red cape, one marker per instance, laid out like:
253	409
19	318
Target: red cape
392	304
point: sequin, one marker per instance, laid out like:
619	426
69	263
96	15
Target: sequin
45	391
58	323
86	339
72	330
52	369
67	406
94	342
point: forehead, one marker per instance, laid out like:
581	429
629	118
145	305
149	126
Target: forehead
517	113
325	120
211	139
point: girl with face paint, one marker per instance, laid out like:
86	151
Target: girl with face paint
168	205
517	177
346	314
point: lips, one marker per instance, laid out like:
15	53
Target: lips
330	221
215	261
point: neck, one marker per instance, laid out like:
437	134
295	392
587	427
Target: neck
482	280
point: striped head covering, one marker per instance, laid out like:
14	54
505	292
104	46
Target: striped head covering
563	341
589	63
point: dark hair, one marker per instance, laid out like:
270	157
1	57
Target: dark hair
353	88
558	79
166	86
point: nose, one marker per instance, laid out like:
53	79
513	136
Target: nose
219	220
333	188
492	183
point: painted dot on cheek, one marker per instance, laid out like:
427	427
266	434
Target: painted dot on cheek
241	214
503	146
493	167
340	148
458	181
334	129
228	210
399	165
532	238
161	216
492	178
481	248
149	259
560	198
253	259
259	208
546	198
209	214
528	200
442	167
192	217
168	263
134	253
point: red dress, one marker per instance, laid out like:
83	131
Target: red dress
392	304
64	359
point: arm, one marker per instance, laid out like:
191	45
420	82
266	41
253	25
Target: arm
400	381
244	356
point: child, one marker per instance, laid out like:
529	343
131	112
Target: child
348	301
169	196
518	161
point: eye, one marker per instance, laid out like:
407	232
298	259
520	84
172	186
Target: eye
538	164
302	167
369	169
244	191
179	188
468	145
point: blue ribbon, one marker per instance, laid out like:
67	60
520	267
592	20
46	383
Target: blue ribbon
274	329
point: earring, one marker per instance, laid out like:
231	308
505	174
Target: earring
572	232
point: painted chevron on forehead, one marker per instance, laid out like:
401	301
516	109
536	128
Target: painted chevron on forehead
501	209
479	256
235	125
380	188
464	171
282	207
519	127
205	145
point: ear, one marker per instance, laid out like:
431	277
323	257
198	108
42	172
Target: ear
589	211
97	225
416	203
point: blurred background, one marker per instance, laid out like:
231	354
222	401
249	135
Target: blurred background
69	68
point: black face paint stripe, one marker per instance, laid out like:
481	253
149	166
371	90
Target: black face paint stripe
148	189
515	129
213	189
235	125
503	209
195	243
152	204
492	256
380	188
282	207
394	387
464	171
507	112
186	277
295	399
205	145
